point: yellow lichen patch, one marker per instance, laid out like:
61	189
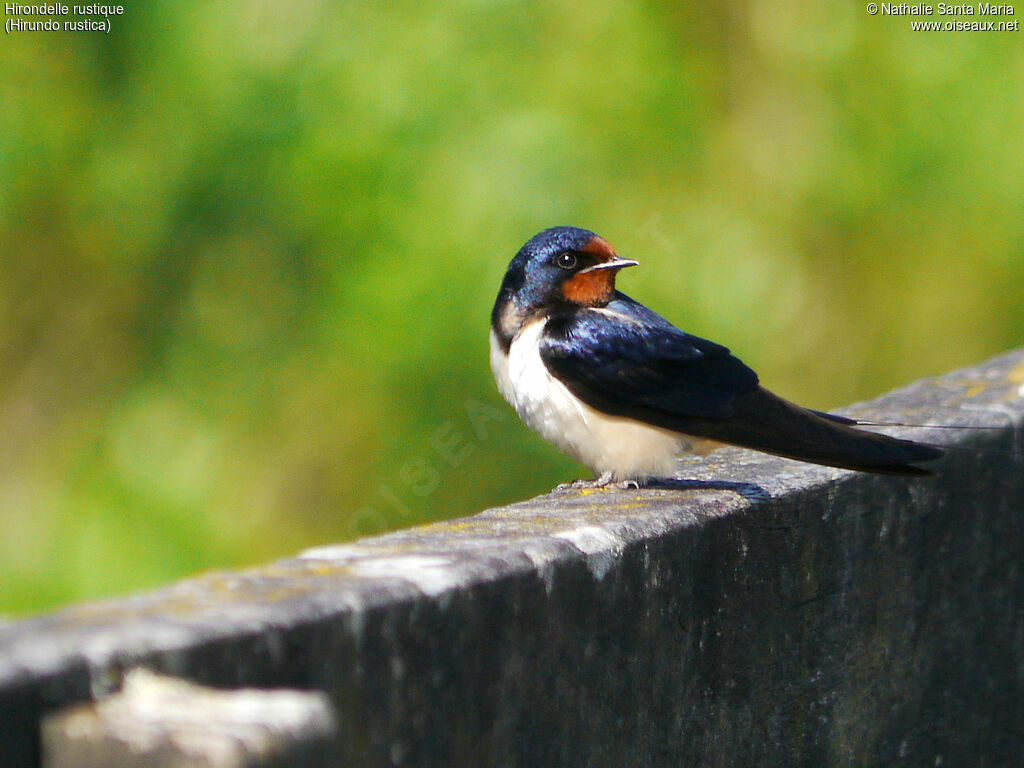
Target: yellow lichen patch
971	387
467	525
628	505
1016	375
330	569
1016	378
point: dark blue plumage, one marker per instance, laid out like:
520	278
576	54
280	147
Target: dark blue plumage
632	362
531	279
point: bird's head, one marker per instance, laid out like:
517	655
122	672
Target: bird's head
561	266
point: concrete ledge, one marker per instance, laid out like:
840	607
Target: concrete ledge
755	611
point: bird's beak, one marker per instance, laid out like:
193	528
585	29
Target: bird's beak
615	263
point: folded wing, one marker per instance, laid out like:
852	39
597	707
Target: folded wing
625	360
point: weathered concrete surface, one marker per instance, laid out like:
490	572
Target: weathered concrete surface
161	722
760	612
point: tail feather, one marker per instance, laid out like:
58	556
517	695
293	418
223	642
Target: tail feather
766	422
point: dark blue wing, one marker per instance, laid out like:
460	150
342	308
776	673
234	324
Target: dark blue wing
628	361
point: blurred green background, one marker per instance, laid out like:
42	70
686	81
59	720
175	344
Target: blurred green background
248	249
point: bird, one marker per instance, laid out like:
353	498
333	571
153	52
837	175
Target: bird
624	392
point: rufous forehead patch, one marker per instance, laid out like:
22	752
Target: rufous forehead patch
599	247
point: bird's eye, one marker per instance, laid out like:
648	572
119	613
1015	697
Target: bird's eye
566	260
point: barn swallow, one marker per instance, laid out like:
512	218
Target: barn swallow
624	392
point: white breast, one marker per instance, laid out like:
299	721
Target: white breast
626	448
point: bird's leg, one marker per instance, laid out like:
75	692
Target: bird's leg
604	480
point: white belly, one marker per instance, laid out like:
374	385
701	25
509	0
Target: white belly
626	448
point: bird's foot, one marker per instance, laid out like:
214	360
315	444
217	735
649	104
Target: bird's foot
605	480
